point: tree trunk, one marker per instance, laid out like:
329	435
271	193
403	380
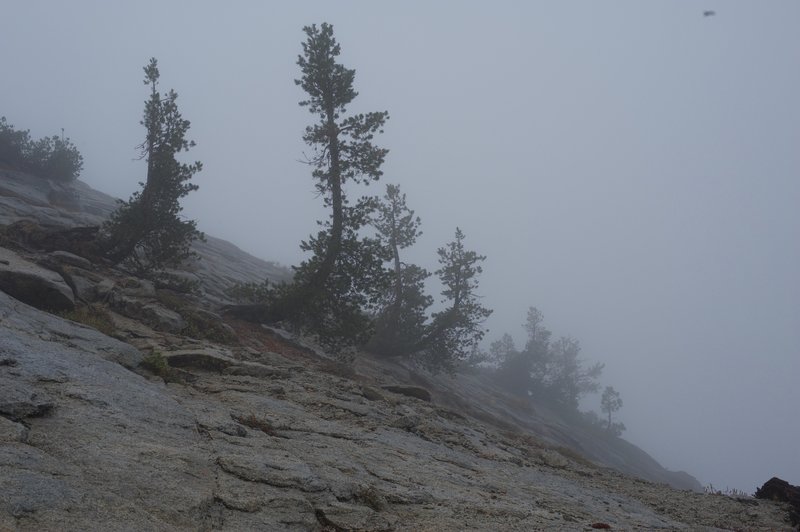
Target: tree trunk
335	181
398	280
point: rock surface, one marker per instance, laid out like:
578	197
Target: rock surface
85	442
776	489
266	433
221	264
33	284
475	395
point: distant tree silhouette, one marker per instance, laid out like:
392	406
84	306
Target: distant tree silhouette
512	367
547	370
610	402
537	354
500	351
568	380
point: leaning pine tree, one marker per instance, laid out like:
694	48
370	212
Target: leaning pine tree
333	289
147	232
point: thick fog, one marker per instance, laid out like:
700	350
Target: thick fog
630	168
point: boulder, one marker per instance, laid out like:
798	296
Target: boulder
70	259
371	394
16	315
343	516
153	314
18	402
12	431
776	489
216	360
84	283
32	284
80	241
135	287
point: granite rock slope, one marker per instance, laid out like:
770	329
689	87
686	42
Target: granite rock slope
266	436
183	419
57	205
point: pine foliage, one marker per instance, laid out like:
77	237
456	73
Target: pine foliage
147	232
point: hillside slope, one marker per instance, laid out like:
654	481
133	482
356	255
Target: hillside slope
162	426
51	204
58	205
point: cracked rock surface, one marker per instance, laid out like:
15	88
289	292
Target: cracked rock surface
266	433
88	441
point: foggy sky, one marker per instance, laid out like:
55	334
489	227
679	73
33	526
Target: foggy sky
630	168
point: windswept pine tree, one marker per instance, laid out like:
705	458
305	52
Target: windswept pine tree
147	232
342	144
333	291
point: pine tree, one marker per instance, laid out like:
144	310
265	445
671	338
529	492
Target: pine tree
610	402
342	146
398	229
500	351
401	317
338	311
344	277
567	380
527	371
147	232
455	332
537	355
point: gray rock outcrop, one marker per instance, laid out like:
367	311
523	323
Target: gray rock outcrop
37	286
89	439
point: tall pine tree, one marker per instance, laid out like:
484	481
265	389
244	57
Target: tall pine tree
334	289
342	145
